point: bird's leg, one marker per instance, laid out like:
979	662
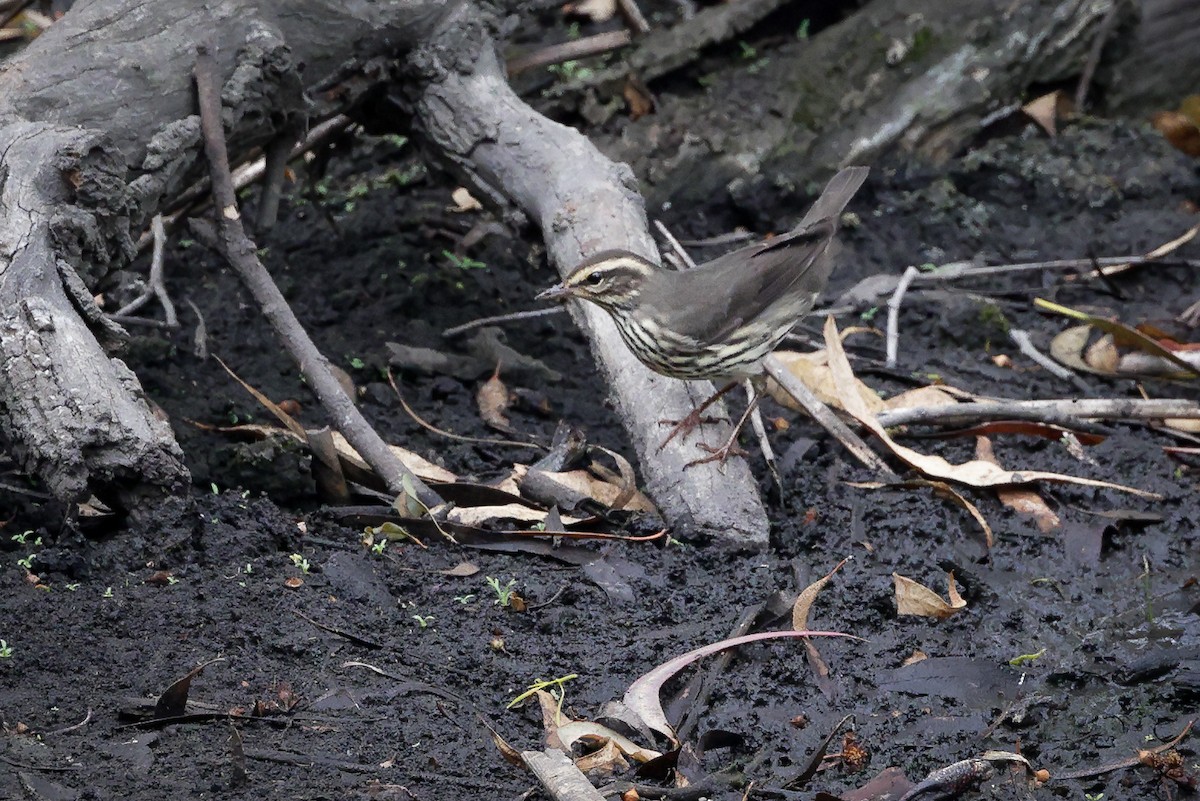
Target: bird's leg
693	418
730	448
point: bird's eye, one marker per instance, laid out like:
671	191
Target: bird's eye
595	279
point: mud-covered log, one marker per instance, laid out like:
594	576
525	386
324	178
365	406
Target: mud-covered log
583	203
912	76
97	125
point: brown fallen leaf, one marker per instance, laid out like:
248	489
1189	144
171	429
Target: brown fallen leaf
493	400
976	473
1023	501
813	370
914	598
463	201
595	10
638	96
1047	109
1181	131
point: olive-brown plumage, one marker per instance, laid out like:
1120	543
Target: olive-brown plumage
721	319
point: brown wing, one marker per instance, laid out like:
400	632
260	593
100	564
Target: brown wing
743	284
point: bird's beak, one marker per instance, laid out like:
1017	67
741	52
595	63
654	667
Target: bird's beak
556	292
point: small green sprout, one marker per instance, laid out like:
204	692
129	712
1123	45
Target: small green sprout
463	262
379	547
869	314
27	562
748	51
357	363
503	594
215	489
1026	659
553	686
71	587
6	650
108	593
299	561
423	620
172	581
465	599
23	538
802	31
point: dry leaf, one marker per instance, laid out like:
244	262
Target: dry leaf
640	101
461	570
581	482
1023	501
596	10
916	599
1178	129
915	657
919	397
463	201
482	515
493	400
976	473
813	370
1047	109
804	602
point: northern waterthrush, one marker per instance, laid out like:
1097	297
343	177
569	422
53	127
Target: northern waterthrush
719	320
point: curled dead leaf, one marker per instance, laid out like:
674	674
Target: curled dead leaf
914	598
493	400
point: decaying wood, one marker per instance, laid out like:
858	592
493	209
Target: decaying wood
97	126
915	76
583	203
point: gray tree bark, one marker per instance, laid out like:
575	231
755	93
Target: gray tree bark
583	203
97	126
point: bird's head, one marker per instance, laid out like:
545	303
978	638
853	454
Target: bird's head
612	280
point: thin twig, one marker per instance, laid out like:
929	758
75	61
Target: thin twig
633	15
240	252
1026	346
279	153
893	320
449	434
1089	68
86	719
826	418
193	199
570	51
155	286
676	248
501	318
200	335
1039	410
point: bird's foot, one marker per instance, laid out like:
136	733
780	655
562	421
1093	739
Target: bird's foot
693	420
719	455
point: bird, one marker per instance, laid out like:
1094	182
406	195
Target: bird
721	319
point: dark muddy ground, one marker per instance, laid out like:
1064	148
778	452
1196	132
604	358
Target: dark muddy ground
1110	605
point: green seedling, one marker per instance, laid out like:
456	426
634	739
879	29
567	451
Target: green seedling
299	561
6	650
357	363
108	592
463	262
378	547
503	594
27	562
553	686
423	620
465	599
23	538
1026	659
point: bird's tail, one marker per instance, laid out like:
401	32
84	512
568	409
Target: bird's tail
833	199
